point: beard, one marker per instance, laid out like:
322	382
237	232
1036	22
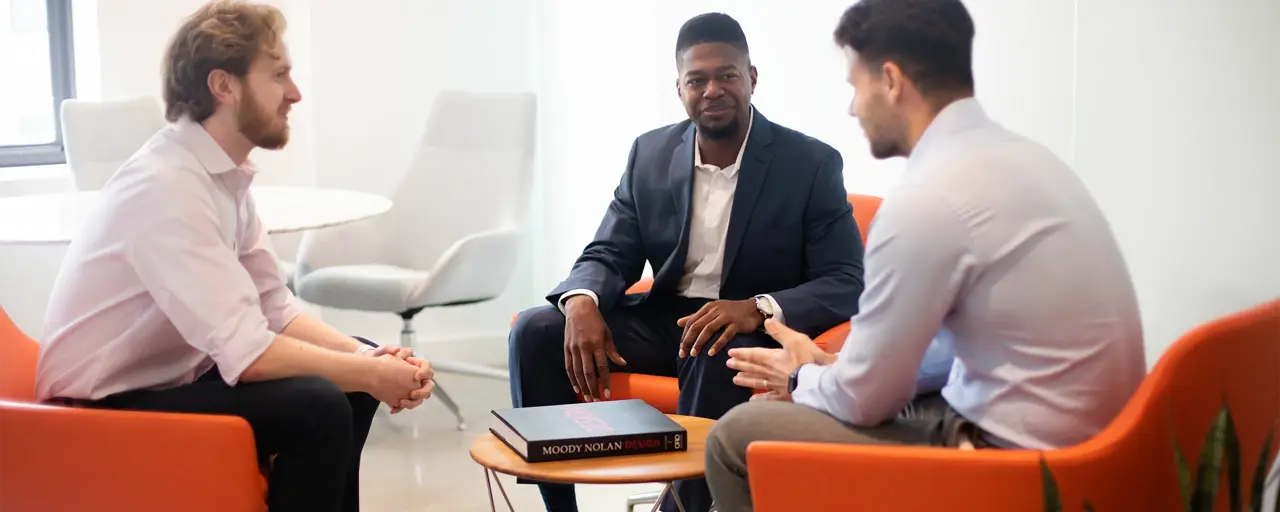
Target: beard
885	148
720	133
885	134
258	125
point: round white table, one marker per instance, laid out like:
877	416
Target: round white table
56	218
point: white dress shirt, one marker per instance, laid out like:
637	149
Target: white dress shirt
173	273
710	209
993	246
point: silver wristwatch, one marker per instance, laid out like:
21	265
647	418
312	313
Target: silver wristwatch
764	306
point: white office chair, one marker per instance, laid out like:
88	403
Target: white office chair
452	236
99	136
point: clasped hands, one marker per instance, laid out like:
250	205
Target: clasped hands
403	381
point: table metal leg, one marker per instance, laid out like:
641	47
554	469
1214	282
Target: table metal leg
670	488
489	486
493	507
504	492
675	497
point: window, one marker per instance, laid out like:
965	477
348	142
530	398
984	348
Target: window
35	53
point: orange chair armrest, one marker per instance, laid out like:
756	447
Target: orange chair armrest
61	458
788	476
833	339
641	286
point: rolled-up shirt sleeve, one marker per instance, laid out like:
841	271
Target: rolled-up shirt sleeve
918	258
258	257
179	252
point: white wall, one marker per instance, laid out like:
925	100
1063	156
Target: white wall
1178	138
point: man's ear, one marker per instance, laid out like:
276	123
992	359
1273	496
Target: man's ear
223	86
754	75
893	81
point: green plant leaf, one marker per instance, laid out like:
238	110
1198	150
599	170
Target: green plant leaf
1088	507
1232	447
1260	474
1184	472
1052	501
1209	469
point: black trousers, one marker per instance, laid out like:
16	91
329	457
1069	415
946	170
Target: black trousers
648	338
315	431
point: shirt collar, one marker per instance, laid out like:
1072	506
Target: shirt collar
731	170
192	136
960	115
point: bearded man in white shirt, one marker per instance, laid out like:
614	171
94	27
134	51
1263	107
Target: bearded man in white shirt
171	298
990	245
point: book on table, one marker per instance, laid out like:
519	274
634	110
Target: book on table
588	430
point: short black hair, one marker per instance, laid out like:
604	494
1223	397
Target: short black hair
712	27
931	40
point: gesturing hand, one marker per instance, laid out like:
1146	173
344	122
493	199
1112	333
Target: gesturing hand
588	348
770	368
734	316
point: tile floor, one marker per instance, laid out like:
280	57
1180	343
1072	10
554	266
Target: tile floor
417	461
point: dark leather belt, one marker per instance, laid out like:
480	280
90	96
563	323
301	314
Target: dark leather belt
70	402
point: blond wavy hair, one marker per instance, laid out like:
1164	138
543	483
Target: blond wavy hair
223	34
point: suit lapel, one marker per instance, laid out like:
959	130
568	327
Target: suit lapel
680	175
755	165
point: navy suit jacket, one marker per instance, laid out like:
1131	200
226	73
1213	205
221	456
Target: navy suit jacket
791	229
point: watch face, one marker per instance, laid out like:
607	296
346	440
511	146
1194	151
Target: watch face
765	307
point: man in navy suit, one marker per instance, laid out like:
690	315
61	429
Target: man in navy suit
742	219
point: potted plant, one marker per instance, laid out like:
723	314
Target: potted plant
1199	490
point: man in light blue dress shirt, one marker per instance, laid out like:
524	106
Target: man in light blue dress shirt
991	248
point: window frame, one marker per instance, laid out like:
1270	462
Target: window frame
62	67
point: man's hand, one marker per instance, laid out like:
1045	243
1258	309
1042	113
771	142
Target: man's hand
588	347
770	368
427	377
404	354
394	380
774	396
734	316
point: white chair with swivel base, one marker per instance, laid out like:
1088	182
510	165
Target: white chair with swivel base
452	236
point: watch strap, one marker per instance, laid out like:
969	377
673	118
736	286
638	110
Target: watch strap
793	380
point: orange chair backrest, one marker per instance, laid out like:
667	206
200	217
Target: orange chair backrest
864	210
18	355
1235	359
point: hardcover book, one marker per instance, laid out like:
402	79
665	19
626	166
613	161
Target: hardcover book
588	430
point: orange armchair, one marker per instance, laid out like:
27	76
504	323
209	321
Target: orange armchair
662	392
1128	466
63	458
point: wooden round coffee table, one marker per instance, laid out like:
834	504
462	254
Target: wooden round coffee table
497	457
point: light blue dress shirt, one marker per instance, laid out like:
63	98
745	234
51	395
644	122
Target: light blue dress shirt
992	249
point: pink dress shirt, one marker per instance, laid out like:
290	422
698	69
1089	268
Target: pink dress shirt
171	274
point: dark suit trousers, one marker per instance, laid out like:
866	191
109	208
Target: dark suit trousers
315	431
648	339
